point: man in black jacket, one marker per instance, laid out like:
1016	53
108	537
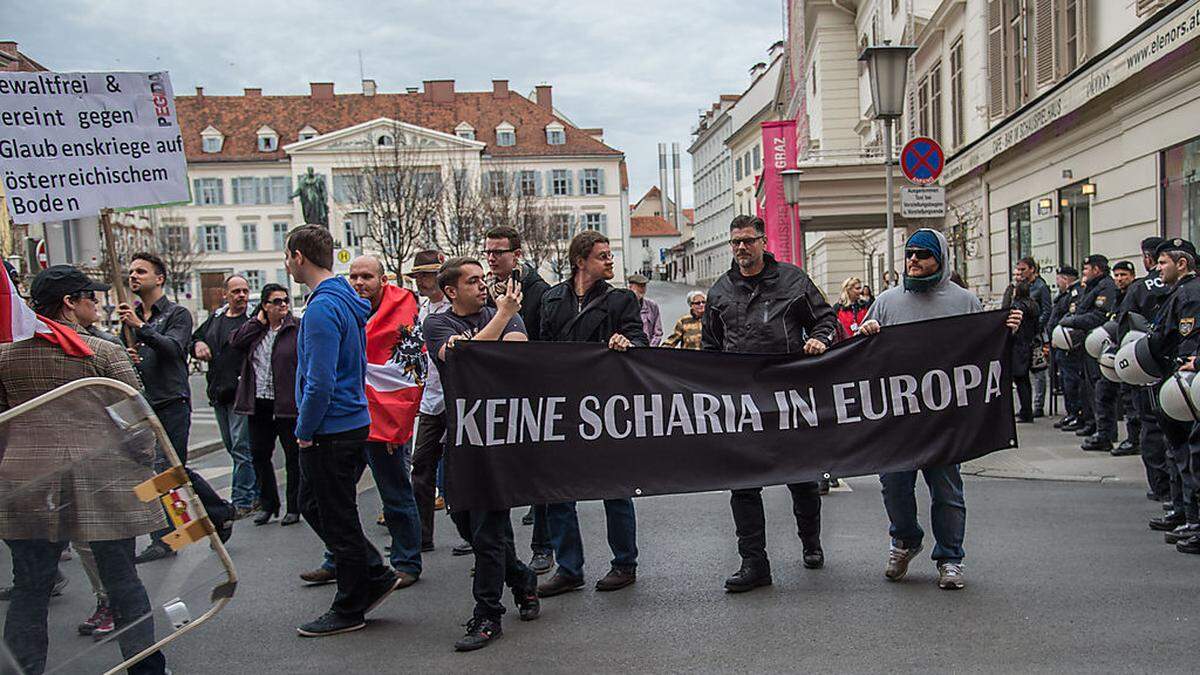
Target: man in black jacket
1092	310
585	308
764	306
1068	365
1028	270
210	343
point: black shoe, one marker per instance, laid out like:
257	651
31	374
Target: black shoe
384	587
1086	430
542	562
814	557
265	517
1168	521
528	604
527	519
1024	419
617	578
157	551
426	547
558	584
480	632
747	579
1062	422
462	549
1125	449
1189	545
1168	505
1097	444
289	519
823	486
1182	532
330	623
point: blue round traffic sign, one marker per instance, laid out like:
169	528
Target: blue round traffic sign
922	160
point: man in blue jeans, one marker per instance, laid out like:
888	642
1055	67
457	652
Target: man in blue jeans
927	293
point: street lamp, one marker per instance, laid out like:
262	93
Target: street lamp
887	66
358	223
791	195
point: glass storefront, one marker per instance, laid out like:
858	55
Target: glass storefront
1181	190
1074	225
1020	234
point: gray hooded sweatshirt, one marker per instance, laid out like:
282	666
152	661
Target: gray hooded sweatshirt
896	305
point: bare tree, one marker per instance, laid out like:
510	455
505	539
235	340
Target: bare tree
864	242
518	199
463	220
181	255
963	233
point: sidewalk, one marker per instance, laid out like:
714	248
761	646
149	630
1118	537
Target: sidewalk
1045	453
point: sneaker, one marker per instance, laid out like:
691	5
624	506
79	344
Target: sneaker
558	584
527	519
898	560
89	624
1189	545
950	576
747	578
439	503
814	557
462	549
330	623
1182	532
542	563
480	632
155	551
105	625
383	588
318	577
528	604
617	578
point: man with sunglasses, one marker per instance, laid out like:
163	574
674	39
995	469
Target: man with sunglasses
927	293
762	306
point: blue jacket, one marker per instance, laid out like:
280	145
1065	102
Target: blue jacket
332	361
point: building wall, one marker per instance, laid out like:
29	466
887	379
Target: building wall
713	192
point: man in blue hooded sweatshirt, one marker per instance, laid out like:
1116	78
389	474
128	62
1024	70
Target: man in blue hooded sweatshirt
332	429
927	293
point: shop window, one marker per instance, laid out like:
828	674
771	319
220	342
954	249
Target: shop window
1074	225
1181	190
1020	234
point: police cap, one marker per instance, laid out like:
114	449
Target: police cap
1175	244
1068	271
1124	265
1096	260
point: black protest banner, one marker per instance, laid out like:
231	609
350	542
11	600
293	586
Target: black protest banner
533	423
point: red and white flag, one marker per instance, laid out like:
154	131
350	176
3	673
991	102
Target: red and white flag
395	366
19	322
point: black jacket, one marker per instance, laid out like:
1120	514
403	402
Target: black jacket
283	366
1175	333
162	344
533	287
1062	304
226	362
1143	296
1094	306
778	316
1040	292
605	310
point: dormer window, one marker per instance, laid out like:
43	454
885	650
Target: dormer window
212	140
556	134
385	141
506	135
465	130
308	133
268	140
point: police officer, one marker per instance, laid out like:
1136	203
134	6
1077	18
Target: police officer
1068	364
1092	310
1175	334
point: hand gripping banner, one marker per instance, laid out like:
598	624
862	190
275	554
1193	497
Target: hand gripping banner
534	423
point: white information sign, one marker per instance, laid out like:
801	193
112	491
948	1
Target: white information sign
72	144
923	202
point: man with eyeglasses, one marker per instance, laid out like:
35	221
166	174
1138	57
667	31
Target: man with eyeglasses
927	293
765	306
502	251
687	329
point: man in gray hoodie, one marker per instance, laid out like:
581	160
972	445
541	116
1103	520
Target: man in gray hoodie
927	293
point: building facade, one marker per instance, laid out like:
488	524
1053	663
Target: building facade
712	190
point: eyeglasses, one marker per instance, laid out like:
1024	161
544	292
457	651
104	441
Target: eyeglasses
85	295
918	253
745	241
604	256
697	302
278	302
487	253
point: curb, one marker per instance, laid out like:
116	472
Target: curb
1062	478
203	449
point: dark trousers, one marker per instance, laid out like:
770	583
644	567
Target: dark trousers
265	430
399	507
496	562
35	565
621	520
1151	443
1183	493
1128	408
329	470
751	521
427	453
540	541
1104	401
1024	396
176	418
1070	373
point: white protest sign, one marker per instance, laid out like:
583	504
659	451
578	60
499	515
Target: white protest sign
72	144
923	202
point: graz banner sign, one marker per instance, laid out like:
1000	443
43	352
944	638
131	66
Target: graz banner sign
534	423
72	144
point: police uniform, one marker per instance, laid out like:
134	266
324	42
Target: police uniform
1143	298
1175	334
1069	364
1092	309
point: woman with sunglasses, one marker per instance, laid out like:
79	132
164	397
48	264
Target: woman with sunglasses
687	329
266	394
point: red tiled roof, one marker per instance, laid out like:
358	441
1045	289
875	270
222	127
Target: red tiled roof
238	118
651	226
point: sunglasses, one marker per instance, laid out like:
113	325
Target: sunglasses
698	302
918	253
278	302
85	295
745	241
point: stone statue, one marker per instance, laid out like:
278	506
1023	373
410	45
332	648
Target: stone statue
314	200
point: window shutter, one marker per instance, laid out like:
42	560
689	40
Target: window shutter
603	222
1081	32
196	191
600	180
1046	41
537	184
995	58
571	183
550	182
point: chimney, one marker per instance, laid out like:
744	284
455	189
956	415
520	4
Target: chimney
500	88
9	47
255	92
199	91
662	178
440	91
596	133
368	87
675	161
542	96
321	91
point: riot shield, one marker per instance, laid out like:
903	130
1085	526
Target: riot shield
87	474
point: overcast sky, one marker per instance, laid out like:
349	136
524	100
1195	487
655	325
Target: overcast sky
641	69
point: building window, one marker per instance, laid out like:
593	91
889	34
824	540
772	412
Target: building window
935	102
528	182
737	169
174	238
496	183
506	138
560	226
560	182
594	221
923	106
1074	225
279	232
249	236
308	133
1020	243
214	238
468	134
268	143
814	78
245	190
957	119
208	191
212	143
347	187
1016	52
592	182
646	244
429	184
1181	190
895	7
757	158
255	279
352	240
277	190
1070	23
556	136
385	141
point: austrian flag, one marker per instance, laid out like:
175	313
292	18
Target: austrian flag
19	322
395	366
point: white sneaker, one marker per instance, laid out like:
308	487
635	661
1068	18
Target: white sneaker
950	576
898	559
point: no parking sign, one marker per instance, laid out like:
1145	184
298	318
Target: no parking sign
922	160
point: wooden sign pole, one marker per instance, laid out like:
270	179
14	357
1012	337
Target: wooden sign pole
115	278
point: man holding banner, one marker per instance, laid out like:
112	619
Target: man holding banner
927	293
765	306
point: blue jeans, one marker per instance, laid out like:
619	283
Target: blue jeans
947	514
399	506
568	543
235	433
